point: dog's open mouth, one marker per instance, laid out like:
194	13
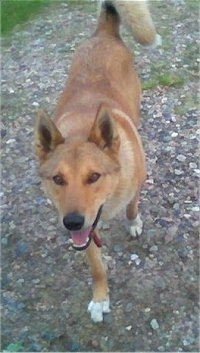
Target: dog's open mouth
81	239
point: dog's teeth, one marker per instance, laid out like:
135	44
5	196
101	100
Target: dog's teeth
81	245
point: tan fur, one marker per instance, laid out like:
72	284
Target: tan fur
94	134
137	17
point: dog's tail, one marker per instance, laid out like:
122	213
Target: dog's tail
136	16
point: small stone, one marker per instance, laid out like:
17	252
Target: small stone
195	209
2	133
147	310
173	119
22	249
117	248
10	141
154	248
151	233
181	158
193	165
134	257
176	206
35	104
137	262
188	341
128	307
4	241
36	281
128	328
105	226
174	134
178	172
154	324
150	181
171	233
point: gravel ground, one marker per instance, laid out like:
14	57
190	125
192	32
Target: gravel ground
46	285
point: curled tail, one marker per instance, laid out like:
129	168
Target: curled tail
135	15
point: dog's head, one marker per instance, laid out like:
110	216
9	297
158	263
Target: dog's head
79	176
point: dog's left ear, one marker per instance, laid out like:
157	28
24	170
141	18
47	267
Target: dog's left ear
47	135
104	130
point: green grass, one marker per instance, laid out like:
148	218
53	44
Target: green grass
14	12
15	347
166	80
193	5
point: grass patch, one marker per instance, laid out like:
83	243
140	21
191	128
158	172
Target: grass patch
165	80
87	5
170	80
188	102
193	5
15	347
149	84
14	12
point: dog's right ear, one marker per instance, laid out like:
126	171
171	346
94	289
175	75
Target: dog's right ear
47	136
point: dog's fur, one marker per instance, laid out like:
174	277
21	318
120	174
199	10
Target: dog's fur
92	155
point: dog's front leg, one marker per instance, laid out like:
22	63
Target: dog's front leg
135	222
100	300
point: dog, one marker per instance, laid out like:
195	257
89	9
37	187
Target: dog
92	161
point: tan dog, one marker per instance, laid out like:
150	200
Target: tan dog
91	158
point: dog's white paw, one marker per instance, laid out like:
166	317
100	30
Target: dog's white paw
157	42
97	309
136	227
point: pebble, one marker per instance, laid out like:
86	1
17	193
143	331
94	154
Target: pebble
147	310
197	171
21	249
181	158
188	341
4	241
174	134
193	165
129	307
128	328
10	141
35	104
153	248
154	324
117	248
173	118
134	257
151	233
178	172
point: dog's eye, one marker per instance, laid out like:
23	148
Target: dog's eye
58	180
93	178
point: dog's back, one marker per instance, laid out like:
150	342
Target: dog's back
102	67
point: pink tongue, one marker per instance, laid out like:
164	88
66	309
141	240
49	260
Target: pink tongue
80	237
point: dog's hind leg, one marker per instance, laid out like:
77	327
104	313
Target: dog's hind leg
135	222
100	300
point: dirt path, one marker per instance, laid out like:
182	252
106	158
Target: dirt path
46	286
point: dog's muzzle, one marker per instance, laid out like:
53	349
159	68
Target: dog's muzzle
82	237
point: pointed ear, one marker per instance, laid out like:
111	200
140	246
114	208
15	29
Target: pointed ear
47	136
104	130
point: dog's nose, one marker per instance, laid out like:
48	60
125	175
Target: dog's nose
73	221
